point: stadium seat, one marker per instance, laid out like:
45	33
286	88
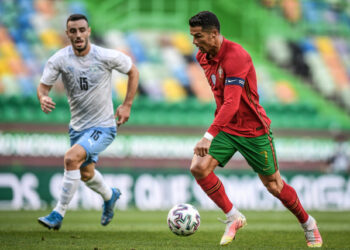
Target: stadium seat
31	31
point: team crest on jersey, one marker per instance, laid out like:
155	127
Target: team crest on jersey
70	69
220	71
94	68
213	79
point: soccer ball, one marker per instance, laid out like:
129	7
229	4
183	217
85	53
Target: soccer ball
183	219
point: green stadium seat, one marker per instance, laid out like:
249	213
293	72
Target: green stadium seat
10	114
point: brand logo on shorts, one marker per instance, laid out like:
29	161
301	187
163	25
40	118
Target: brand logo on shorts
265	169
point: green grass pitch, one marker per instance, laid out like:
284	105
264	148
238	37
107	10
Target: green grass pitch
133	229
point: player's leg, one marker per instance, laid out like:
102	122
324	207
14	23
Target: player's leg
202	168
96	140
221	150
261	156
95	181
73	158
281	190
289	198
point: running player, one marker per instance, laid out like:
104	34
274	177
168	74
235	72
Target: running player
85	71
240	124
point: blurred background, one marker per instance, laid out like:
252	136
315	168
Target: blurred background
301	51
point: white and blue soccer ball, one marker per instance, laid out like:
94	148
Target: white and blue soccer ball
184	219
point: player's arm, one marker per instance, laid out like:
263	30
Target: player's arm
232	98
236	70
49	77
123	111
46	103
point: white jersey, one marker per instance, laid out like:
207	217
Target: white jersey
87	81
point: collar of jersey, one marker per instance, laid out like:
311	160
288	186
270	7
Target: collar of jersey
219	54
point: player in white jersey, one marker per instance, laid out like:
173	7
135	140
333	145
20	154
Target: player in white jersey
85	70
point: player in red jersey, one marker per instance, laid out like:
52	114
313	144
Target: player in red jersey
240	124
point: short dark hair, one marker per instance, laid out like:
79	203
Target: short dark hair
76	17
205	19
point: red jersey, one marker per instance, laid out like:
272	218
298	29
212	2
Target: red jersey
232	78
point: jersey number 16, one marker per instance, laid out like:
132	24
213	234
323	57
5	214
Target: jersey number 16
84	83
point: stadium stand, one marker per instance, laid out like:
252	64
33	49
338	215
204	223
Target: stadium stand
171	81
322	45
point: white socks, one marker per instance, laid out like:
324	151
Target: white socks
309	224
98	184
70	184
232	212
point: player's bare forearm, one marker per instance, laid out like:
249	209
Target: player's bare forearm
46	103
43	90
133	82
123	111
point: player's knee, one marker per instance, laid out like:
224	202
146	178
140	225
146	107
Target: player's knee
71	162
272	187
198	171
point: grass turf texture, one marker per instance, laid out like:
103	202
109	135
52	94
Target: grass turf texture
133	229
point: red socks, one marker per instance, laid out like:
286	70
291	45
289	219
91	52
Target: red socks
290	200
213	187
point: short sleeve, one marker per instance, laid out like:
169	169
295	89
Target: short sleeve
51	72
119	61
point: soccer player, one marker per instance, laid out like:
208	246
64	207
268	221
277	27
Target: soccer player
240	124
85	70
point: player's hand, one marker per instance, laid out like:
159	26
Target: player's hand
47	105
202	147
122	114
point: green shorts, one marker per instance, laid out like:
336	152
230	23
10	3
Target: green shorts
258	151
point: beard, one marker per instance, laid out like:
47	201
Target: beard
82	49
